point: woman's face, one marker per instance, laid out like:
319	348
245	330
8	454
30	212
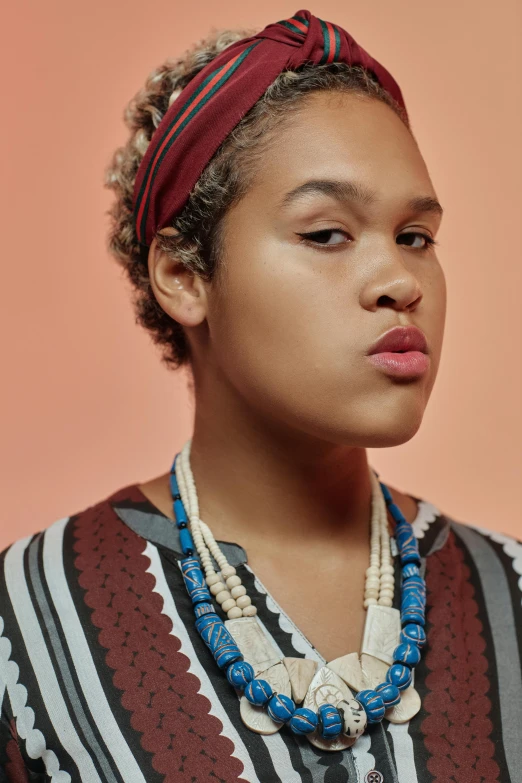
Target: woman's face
291	322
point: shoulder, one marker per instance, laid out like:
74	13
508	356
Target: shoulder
50	571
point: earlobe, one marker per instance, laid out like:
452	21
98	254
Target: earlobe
179	291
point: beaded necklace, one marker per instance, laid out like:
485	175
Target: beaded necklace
329	723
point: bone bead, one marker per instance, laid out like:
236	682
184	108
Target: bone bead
301	672
228	604
227	571
387	569
249	611
243	601
233	581
213	579
369	602
387	592
223	596
385	602
354	718
234	613
217	587
237	591
372	571
387	579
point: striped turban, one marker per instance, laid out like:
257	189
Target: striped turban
219	96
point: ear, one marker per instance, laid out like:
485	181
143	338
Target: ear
179	292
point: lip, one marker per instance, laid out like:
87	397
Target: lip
402	352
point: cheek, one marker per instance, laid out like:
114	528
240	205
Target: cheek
282	329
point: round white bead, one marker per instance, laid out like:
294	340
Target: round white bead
227	571
355	719
237	591
217	587
387	592
249	611
234	613
387	580
233	581
372	582
228	604
224	595
369	602
212	579
372	571
243	601
387	569
385	601
371	592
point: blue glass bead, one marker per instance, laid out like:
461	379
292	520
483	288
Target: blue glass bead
389	693
413	614
174	488
303	721
414	633
410	555
386	493
179	512
396	512
373	705
330	723
218	639
186	542
414	581
194	580
280	707
258	692
240	673
409	654
410	569
399	675
412	599
203	608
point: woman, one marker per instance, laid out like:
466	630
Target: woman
277	220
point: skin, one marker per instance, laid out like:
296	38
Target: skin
286	400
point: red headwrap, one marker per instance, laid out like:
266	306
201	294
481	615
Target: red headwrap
217	98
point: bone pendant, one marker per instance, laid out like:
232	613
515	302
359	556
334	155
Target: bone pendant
374	670
301	672
348	667
382	631
257	718
327	688
406	709
253	643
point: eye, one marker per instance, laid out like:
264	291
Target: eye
318	238
412	236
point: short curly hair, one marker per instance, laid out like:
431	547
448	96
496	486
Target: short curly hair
225	179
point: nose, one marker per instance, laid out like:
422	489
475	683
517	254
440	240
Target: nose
392	281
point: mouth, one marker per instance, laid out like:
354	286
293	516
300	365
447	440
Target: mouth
402	352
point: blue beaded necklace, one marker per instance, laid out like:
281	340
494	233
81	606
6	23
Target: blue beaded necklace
328	720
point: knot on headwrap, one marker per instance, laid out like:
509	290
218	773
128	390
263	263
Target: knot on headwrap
219	96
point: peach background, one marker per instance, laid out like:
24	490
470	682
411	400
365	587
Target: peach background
86	406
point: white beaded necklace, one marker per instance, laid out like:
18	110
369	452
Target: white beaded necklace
226	586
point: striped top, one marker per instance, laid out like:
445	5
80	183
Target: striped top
103	676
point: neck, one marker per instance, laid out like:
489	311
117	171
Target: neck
261	485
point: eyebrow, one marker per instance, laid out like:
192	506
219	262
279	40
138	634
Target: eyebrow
345	190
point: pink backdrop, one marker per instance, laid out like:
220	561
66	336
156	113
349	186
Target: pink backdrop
86	405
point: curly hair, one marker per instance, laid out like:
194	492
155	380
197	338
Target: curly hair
225	179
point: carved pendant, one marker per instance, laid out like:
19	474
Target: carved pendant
382	632
257	718
253	643
348	667
301	672
327	688
406	709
